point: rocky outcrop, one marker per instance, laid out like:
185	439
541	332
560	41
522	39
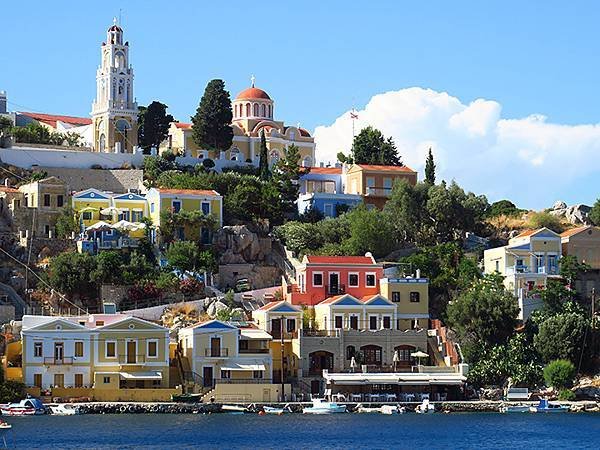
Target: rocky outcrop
215	307
575	214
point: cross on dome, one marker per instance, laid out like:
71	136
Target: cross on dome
252	79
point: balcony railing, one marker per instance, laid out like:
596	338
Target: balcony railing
321	333
287	335
131	359
379	191
216	352
335	289
548	270
243	381
51	361
254	350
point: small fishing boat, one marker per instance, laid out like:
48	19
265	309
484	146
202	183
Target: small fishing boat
391	409
63	409
277	411
425	407
547	407
365	409
321	406
4	426
26	407
234	409
514	409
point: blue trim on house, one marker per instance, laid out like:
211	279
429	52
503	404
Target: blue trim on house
130	196
215	324
348	301
93	195
283	307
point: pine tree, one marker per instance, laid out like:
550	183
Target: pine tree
286	175
211	126
153	125
371	147
430	169
263	163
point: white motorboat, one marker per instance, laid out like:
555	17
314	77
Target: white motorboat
391	409
514	409
425	407
4	426
234	409
321	406
364	409
63	409
277	411
548	407
26	407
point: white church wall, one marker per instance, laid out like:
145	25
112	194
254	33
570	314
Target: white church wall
27	157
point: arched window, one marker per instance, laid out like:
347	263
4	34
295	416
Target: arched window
102	144
247	109
350	352
372	354
264	110
256	110
270	112
119	60
235	154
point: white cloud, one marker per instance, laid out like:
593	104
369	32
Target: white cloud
527	160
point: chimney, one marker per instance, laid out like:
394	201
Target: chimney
3	102
418	274
6	182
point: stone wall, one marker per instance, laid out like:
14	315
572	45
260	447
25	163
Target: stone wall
115	180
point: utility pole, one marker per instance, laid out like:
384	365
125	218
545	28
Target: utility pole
282	359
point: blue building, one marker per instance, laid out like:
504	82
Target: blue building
322	188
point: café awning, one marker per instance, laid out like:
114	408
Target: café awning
243	365
152	375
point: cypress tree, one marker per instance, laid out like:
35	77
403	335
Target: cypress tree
430	169
153	125
211	126
263	163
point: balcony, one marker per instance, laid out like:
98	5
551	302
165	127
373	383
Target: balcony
287	335
321	333
379	191
216	352
523	269
251	351
243	381
131	359
339	289
65	360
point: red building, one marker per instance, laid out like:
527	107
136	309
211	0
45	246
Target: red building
320	277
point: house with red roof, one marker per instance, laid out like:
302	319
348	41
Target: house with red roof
375	182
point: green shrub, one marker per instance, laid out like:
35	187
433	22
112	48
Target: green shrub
545	220
559	373
566	394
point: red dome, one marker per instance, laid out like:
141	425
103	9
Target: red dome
253	93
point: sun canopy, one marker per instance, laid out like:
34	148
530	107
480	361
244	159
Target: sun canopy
252	333
110	210
125	225
99	225
243	365
153	375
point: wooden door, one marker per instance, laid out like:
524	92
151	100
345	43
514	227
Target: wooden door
215	347
131	352
207	376
59	380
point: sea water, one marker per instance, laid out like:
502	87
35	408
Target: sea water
296	431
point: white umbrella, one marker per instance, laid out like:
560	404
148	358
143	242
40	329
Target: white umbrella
353	363
110	210
419	355
124	225
98	225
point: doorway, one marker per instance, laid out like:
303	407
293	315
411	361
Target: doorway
215	347
131	352
207	376
59	352
334	283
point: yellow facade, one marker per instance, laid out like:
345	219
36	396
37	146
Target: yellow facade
584	244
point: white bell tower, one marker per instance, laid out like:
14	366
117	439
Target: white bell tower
114	112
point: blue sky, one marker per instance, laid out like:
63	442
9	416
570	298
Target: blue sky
318	58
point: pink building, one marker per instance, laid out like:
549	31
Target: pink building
320	277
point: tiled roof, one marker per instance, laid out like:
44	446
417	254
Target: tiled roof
386	168
573	231
304	132
252	93
187	191
270	305
330	300
51	119
326	170
339	259
526	233
183	125
8	189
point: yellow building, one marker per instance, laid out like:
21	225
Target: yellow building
114	111
253	113
283	321
375	182
230	363
584	244
104	356
210	203
411	298
526	263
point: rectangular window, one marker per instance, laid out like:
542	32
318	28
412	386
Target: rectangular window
86	215
37	380
387	322
396	297
226	374
78	349
176	205
37	349
257	374
370	280
111	349
415	297
125	215
60	201
354	322
151	207
205	207
318	279
353	279
339	320
244	345
106	380
152	349
372	322
291	325
78	380
136	216
46	199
